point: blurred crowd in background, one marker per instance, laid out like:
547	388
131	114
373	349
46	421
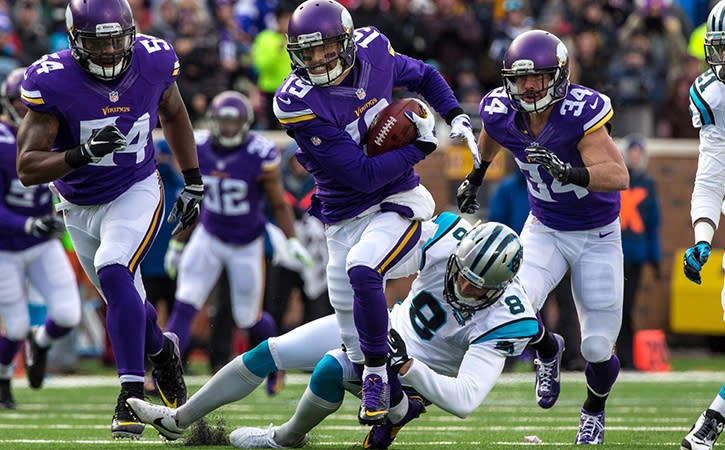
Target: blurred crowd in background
644	54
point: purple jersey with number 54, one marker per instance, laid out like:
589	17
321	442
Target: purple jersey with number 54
55	84
561	206
233	196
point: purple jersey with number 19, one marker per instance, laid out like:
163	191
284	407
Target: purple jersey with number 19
561	206
55	84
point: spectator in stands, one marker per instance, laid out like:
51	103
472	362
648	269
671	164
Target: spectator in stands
635	89
8	46
677	102
590	60
271	60
31	32
409	35
166	21
368	13
640	220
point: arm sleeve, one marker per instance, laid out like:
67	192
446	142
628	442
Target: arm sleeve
709	190
344	161
478	373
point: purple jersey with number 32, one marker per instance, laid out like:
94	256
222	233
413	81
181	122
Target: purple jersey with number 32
18	202
55	84
561	206
233	195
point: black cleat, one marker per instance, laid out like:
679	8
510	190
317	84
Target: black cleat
35	359
125	424
169	376
6	395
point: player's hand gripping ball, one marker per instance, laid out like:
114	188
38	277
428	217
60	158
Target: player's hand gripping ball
391	129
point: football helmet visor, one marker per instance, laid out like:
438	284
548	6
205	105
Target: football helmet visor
230	118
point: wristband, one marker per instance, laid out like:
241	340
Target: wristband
176	245
703	231
192	176
450	115
425	146
476	175
75	157
578	176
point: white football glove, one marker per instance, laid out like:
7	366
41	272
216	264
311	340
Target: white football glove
461	130
426	124
296	250
172	257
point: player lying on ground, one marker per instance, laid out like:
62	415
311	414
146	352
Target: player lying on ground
466	274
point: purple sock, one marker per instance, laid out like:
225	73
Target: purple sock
370	310
601	376
541	330
154	336
180	322
125	317
8	350
54	330
265	328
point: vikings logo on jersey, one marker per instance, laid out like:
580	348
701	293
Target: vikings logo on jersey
57	85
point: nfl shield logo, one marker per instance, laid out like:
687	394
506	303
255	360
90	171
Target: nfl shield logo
360	93
113	96
316	141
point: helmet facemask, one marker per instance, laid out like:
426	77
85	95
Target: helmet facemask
106	55
715	53
339	54
466	307
550	90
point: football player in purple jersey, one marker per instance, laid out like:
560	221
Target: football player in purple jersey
558	135
241	170
29	254
372	207
92	110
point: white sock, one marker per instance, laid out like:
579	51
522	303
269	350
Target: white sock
397	412
376	370
719	403
311	410
42	338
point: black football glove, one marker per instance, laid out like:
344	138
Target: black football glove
49	226
103	141
466	197
397	353
187	207
695	258
549	161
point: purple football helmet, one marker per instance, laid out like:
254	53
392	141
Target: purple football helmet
317	23
536	52
10	93
230	117
101	35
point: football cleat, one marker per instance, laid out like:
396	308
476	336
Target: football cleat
548	376
125	424
375	401
381	436
169	377
275	382
705	432
591	428
160	417
249	437
35	359
6	395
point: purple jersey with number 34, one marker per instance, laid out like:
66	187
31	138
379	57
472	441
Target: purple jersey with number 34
55	84
561	206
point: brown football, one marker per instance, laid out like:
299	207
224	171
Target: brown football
390	129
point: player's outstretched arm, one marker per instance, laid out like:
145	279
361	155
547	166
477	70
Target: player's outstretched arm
176	125
36	164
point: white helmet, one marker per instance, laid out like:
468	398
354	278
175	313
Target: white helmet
488	257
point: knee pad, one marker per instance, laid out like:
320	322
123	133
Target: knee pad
596	349
259	360
326	380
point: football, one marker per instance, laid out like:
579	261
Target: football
390	129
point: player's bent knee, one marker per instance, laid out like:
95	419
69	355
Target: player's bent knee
326	380
16	329
259	360
596	349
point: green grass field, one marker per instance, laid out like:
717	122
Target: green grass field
645	411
